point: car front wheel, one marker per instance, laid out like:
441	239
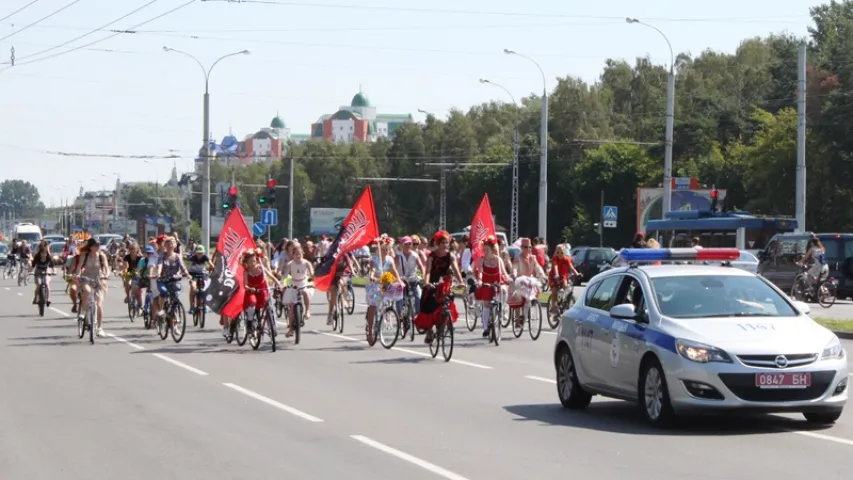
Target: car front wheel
654	395
823	418
571	393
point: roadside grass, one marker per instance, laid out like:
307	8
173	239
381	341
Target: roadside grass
835	324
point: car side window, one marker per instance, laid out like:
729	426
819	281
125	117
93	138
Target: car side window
602	299
590	292
770	251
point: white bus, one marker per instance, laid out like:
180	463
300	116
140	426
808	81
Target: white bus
27	232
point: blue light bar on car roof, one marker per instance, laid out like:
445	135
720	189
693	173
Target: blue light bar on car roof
676	254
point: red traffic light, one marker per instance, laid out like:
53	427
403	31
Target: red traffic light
232	191
714	193
270	183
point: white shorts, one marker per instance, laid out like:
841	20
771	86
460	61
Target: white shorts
289	297
817	270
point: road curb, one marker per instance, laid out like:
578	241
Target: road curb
844	335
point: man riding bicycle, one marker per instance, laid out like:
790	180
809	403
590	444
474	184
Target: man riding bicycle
199	265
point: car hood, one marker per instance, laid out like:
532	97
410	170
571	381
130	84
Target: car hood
754	335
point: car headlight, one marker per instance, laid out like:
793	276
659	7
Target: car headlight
700	352
833	350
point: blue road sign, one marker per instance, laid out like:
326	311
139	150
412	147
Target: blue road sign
611	213
259	229
269	216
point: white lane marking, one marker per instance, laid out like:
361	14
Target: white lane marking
430	467
125	341
550	333
180	364
541	379
7	288
20	294
59	311
404	350
273	403
821	436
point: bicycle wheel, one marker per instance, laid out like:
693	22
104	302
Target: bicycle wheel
270	324
517	321
495	334
505	315
534	320
446	337
179	327
81	326
162	327
389	327
297	322
90	319
350	300
194	302
341	312
231	332
436	339
279	308
412	316
40	301
242	333
826	294
553	318
256	331
470	313
131	309
798	290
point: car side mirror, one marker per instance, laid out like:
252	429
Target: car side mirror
802	307
762	255
625	311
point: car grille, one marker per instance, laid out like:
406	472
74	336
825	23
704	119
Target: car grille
743	386
769	361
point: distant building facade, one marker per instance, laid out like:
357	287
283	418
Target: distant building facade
358	121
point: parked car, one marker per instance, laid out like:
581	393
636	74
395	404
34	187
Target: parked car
777	262
589	260
4	252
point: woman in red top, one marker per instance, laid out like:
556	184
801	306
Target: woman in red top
561	267
490	272
255	282
441	268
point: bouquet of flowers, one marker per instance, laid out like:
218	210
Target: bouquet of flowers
390	287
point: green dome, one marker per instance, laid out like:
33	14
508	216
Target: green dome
277	122
360	100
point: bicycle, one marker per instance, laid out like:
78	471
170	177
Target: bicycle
804	289
529	305
262	322
146	307
495	314
87	322
408	312
199	307
388	322
443	336
279	306
338	314
41	295
565	301
175	317
298	320
23	273
9	271
473	308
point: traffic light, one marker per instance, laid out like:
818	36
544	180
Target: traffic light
715	195
231	200
270	197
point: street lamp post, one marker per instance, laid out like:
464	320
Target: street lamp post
513	215
205	175
543	149
670	120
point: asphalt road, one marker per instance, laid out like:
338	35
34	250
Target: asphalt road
135	407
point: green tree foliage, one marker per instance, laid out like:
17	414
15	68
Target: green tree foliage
21	198
735	127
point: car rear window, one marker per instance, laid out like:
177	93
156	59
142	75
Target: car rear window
600	254
705	296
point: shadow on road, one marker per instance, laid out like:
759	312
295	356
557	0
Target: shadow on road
623	417
395	361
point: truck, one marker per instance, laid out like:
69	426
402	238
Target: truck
28	232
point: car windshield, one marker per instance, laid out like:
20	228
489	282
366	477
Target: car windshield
747	257
57	248
701	296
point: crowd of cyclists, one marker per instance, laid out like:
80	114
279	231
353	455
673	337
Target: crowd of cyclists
426	269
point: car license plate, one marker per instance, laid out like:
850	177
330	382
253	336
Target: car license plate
783	380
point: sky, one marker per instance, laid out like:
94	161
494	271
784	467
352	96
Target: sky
120	94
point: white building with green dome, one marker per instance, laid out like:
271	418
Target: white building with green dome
358	121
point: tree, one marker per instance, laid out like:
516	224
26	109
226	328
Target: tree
22	198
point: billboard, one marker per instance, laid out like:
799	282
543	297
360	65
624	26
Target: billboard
650	202
327	221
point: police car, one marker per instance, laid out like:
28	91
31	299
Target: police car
689	339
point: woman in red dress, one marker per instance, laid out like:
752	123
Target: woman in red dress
441	268
490	271
561	267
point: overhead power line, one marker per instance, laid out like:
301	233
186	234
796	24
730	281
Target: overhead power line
91	32
87	45
19	10
39	20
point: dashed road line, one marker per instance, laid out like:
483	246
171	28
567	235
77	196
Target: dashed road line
180	364
430	467
273	403
125	341
820	436
541	379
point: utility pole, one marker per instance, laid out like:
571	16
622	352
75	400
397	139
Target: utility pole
442	209
800	200
290	202
513	210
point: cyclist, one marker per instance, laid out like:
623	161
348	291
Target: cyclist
170	267
815	259
12	257
381	262
199	265
561	267
94	266
255	278
41	263
129	264
300	270
408	264
24	253
441	268
339	284
141	281
490	270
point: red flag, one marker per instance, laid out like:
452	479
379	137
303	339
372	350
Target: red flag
359	229
481	227
235	239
